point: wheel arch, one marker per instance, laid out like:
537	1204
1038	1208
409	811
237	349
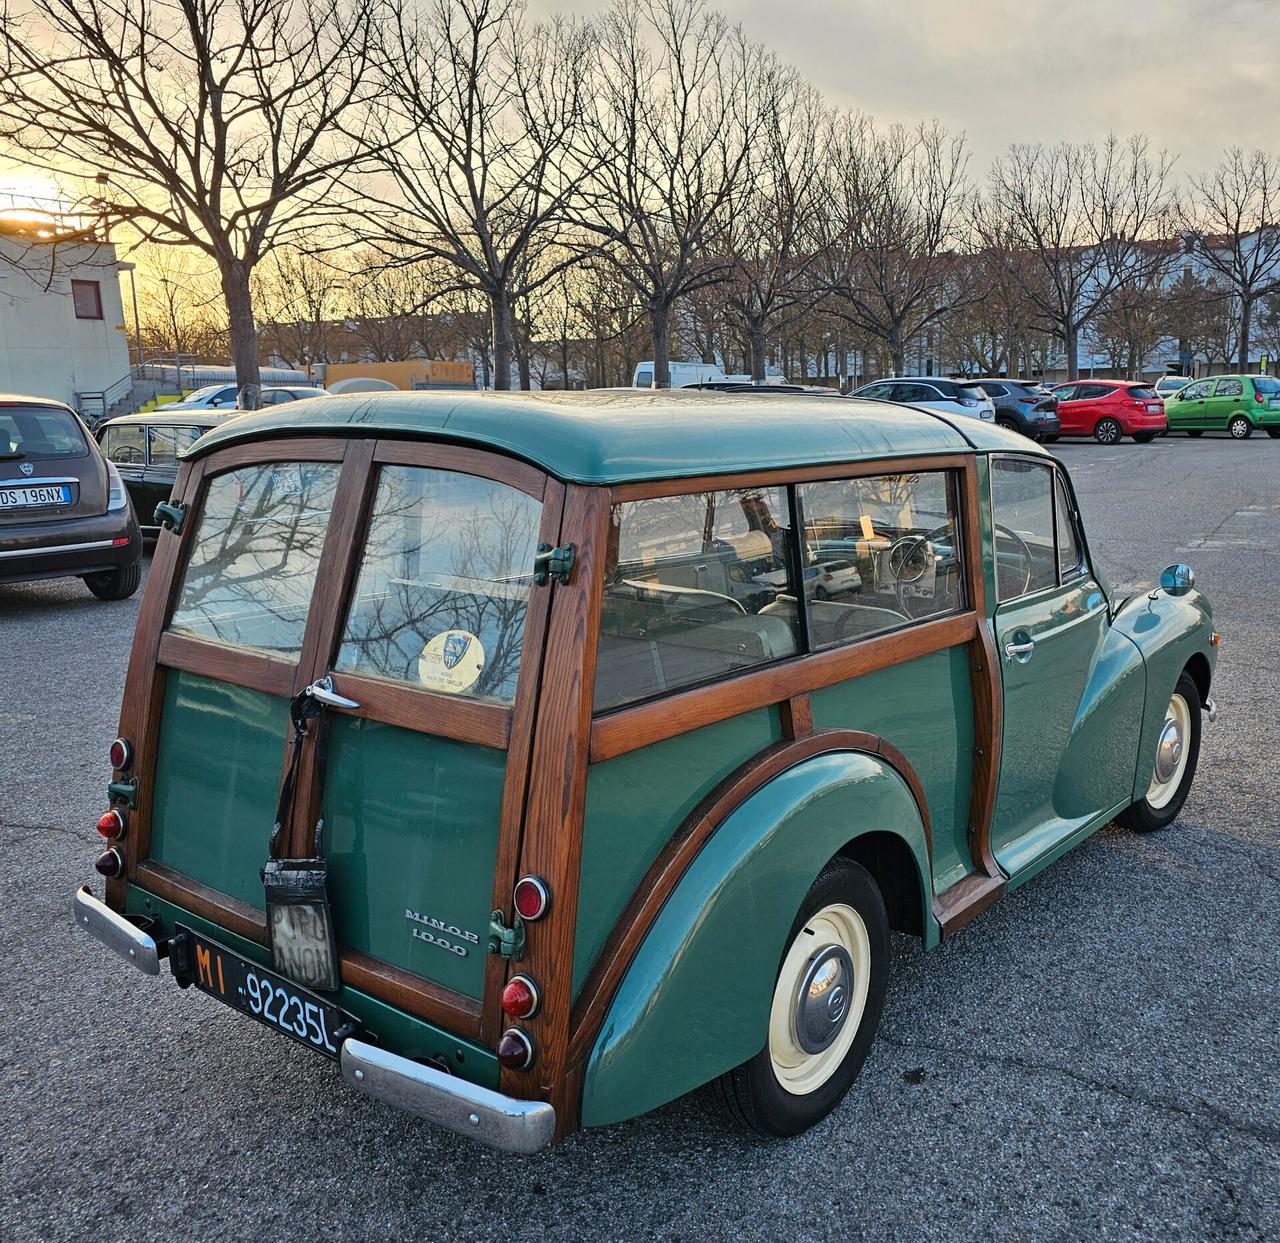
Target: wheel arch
694	999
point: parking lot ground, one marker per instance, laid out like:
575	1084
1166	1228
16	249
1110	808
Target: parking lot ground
1096	1057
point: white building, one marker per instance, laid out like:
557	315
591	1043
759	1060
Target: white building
62	324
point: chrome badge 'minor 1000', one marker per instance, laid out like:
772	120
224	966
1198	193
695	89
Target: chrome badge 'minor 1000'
437	927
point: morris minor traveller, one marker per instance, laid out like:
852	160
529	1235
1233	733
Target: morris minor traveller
495	748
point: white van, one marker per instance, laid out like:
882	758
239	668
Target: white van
680	374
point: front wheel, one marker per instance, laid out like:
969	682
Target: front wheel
826	1007
1144	438
1240	428
1177	754
117	584
1107	432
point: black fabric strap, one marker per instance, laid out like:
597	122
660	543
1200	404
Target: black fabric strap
302	708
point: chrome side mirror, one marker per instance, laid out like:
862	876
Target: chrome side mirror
1178	579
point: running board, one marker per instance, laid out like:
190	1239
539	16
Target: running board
967	899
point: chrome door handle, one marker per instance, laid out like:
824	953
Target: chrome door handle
1020	651
324	692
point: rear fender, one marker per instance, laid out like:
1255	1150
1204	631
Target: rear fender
695	999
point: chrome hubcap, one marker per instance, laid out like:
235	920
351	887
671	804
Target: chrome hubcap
1168	751
822	999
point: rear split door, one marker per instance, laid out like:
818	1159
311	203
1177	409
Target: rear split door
404	573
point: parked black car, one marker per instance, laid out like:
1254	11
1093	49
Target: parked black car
145	447
64	510
1024	407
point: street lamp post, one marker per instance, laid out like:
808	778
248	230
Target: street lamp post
137	323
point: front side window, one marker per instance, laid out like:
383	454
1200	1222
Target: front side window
254	557
444	584
1070	554
1197	391
696	587
126	445
1022	513
880	552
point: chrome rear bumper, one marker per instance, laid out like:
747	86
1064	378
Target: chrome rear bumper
1211	710
116	932
466	1108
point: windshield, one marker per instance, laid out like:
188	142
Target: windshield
40	432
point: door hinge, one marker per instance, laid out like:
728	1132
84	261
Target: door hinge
171	516
554	563
509	942
125	792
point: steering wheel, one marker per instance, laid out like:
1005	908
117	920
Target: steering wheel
1002	569
909	559
127	455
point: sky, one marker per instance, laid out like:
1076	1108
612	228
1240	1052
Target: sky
1194	75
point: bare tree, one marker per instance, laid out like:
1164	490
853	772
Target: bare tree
1084	213
386	303
771	236
671	134
218	124
896	202
480	116
1236	233
298	298
179	303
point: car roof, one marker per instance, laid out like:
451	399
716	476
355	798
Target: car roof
22	399
605	437
191	416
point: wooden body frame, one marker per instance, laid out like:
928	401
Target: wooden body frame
550	733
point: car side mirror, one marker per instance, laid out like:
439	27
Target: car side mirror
1178	579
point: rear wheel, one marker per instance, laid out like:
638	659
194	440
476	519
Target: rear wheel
1008	424
1107	432
1144	438
826	1007
1196	433
1177	754
117	584
1240	428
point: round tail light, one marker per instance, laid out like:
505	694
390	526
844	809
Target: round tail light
121	754
112	824
521	998
109	863
532	897
515	1049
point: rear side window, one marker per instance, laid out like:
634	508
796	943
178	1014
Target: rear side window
444	584
992	389
40	432
254	557
126	445
692	591
644	379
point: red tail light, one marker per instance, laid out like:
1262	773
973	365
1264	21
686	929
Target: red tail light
120	541
521	998
515	1049
109	863
532	897
112	824
1258	397
121	754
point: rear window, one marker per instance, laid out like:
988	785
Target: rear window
1265	384
254	559
40	432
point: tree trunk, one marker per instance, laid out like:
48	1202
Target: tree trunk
243	333
660	323
503	332
898	348
757	350
1071	335
1246	319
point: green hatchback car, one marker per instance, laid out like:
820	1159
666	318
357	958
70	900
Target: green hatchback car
492	747
1236	404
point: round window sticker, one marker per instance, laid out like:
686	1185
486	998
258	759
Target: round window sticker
451	662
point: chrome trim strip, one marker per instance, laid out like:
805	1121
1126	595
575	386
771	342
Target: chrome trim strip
35	552
115	932
34	481
466	1108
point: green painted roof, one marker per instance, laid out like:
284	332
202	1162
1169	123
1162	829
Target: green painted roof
618	436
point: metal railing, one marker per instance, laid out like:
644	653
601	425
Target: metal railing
95	406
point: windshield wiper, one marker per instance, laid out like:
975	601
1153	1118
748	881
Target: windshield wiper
12	457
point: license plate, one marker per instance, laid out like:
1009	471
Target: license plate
47	494
1154	409
265	996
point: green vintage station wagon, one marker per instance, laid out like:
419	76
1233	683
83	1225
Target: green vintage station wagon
504	750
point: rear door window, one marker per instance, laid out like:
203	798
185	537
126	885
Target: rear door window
251	572
1227	388
40	432
444	584
992	389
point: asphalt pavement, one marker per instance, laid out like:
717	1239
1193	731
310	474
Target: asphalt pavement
1096	1057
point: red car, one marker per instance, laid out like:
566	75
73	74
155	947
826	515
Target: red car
1109	409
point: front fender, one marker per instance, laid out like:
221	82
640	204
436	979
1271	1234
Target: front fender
1170	632
695	1000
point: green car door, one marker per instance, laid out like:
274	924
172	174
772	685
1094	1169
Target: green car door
1187	409
1072	689
1230	397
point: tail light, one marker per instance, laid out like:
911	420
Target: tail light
531	897
826	578
1258	397
515	1049
109	863
121	754
112	824
521	998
